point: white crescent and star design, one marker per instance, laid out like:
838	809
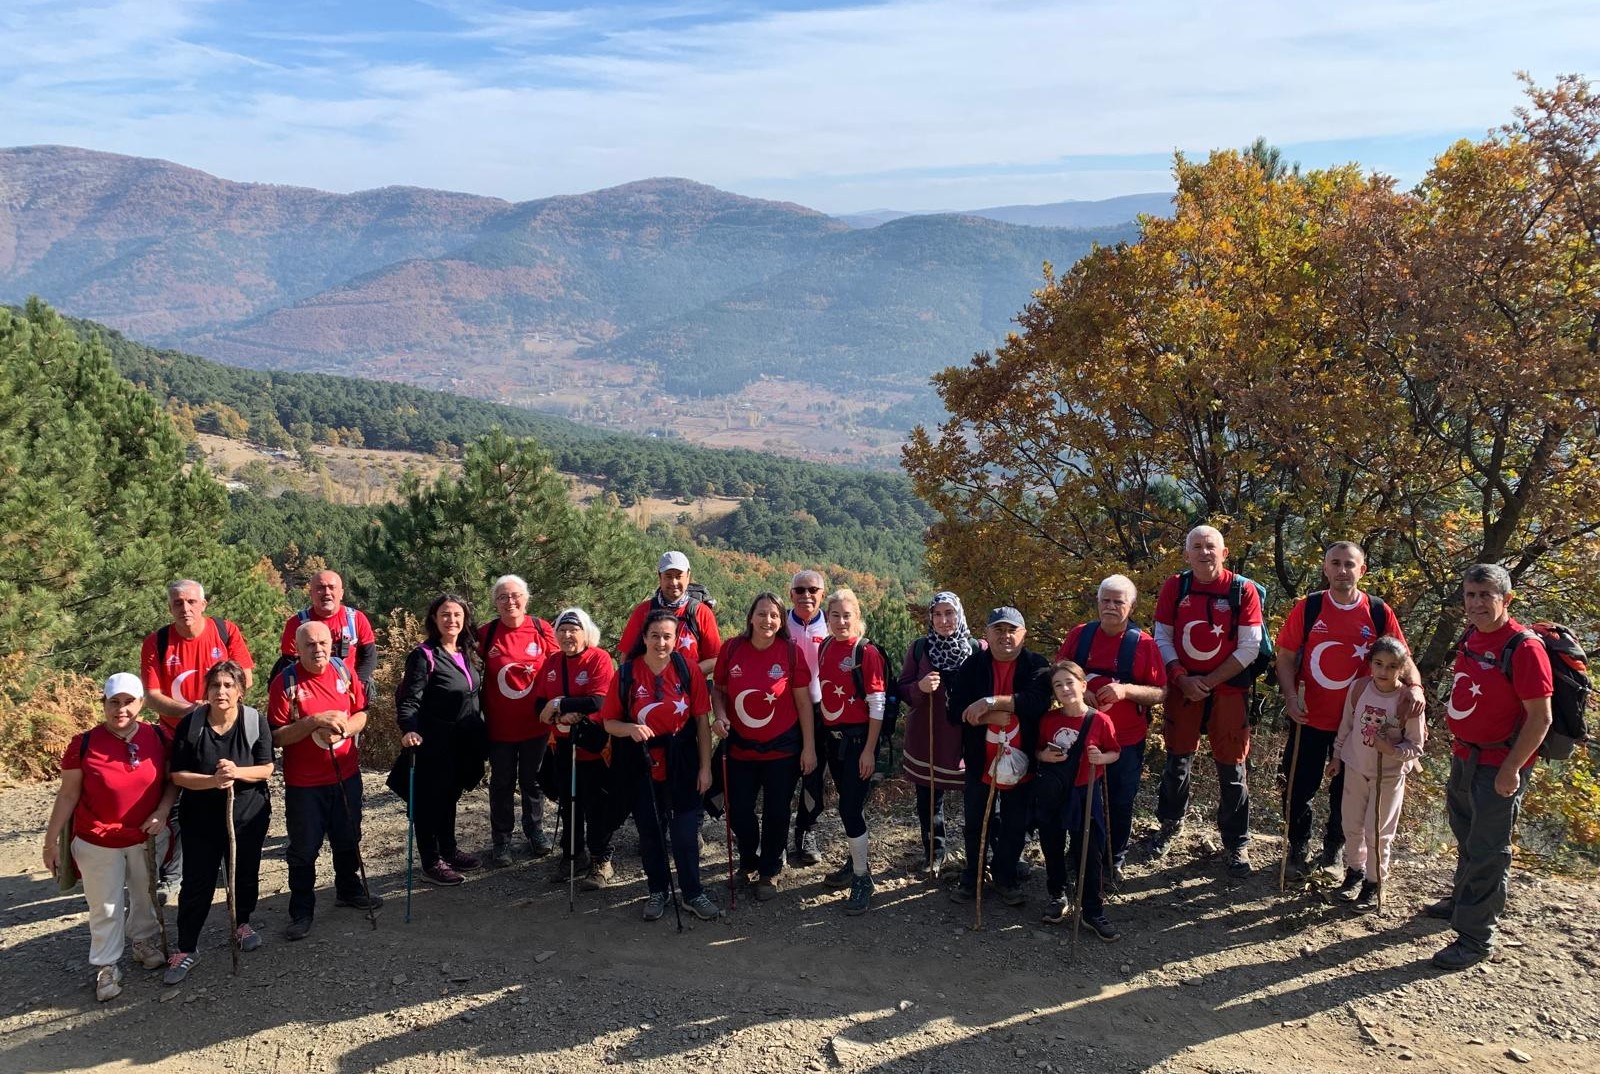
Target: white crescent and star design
177	686
506	688
1201	654
744	715
1321	676
1459	713
837	691
643	715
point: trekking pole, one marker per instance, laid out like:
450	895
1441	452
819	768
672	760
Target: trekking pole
350	819
1288	805
411	828
931	854
1377	824
154	870
233	860
983	842
727	829
1083	855
572	819
664	831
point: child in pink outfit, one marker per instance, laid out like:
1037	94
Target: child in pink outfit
1376	750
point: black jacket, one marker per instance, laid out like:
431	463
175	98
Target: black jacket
1030	686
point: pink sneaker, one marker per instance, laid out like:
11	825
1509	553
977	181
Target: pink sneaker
249	938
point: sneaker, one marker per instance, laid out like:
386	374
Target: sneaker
359	901
107	983
1300	865
962	893
1367	901
539	844
499	856
442	874
703	908
297	929
860	899
178	967
1056	910
655	905
1458	956
840	878
1161	840
766	888
249	938
566	867
147	953
1239	864
1331	856
599	875
1443	910
1102	927
463	862
805	850
1012	896
1353	879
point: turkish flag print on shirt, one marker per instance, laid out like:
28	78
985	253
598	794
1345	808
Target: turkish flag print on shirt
1335	656
1485	708
510	667
1202	622
760	685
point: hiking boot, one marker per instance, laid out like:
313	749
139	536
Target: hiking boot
147	953
805	850
566	866
1161	840
598	876
249	938
703	908
1056	910
539	844
463	862
1367	901
107	983
359	901
840	878
1012	896
962	893
1353	880
499	856
1443	910
860	899
298	929
178	967
1458	956
1239	866
1102	927
1330	856
655	904
442	874
1300	866
766	888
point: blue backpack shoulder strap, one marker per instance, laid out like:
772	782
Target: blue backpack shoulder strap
1126	651
1080	655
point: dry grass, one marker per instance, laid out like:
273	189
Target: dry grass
34	731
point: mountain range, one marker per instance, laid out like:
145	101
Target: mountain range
664	282
1107	212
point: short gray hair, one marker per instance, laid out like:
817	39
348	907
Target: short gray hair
1188	538
181	584
1119	581
1492	574
506	581
822	581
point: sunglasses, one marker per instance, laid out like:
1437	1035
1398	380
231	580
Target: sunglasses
806	589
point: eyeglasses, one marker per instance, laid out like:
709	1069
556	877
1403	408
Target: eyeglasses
806	589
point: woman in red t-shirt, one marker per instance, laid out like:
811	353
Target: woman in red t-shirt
114	790
762	701
569	688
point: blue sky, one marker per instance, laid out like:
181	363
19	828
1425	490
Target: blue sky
907	104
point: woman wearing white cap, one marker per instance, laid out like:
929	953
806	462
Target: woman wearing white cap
114	795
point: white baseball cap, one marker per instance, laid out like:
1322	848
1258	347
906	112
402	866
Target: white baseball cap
124	684
672	561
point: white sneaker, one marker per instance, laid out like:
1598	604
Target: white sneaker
107	983
147	953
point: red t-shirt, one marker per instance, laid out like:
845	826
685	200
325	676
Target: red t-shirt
841	706
1335	656
1056	726
306	764
660	702
1005	673
338	624
182	676
1485	707
705	647
122	784
760	686
510	670
1202	623
589	674
1131	724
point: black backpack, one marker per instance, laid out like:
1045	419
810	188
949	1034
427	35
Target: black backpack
1569	698
1127	649
891	697
164	638
1265	657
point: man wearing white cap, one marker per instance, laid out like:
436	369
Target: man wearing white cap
808	624
698	639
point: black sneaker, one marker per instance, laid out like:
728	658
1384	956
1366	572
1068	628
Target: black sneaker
1102	927
298	929
841	877
359	901
1329	859
962	893
1458	956
499	856
1012	896
1239	866
1300	866
805	850
1161	840
1367	901
539	844
1353	879
860	900
1442	910
1056	910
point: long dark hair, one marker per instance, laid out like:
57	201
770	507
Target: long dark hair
783	618
655	615
467	640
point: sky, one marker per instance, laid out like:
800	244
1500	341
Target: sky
904	104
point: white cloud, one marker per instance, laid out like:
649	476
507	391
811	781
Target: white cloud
841	108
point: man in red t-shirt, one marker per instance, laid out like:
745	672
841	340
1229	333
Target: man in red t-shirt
1497	721
316	708
1126	679
698	638
173	664
1316	662
514	646
353	639
1205	645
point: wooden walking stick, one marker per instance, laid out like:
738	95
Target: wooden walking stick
1288	798
1083	850
1376	854
727	828
233	858
983	842
931	870
154	871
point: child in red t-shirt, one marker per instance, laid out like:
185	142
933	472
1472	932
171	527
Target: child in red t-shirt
1063	789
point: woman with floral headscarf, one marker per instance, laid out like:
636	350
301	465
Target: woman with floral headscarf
932	756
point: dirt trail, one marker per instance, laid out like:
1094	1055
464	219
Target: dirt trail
1212	975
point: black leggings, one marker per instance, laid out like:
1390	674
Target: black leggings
843	753
205	853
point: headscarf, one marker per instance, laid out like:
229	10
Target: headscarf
949	653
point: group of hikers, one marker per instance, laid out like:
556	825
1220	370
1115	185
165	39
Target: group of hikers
756	725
